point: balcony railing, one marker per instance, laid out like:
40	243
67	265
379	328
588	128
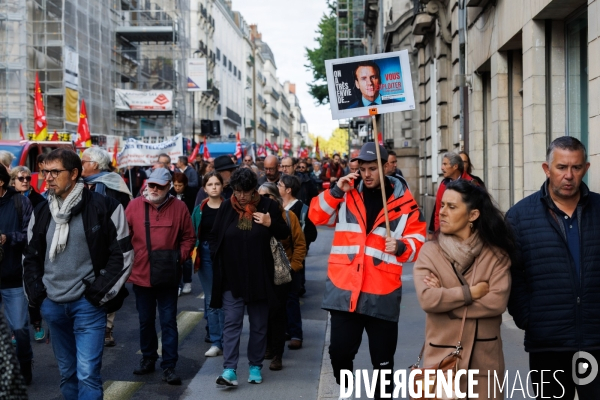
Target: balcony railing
273	112
285	102
274	93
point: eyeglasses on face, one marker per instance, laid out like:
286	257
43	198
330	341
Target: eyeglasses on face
286	166
53	172
248	160
24	178
157	186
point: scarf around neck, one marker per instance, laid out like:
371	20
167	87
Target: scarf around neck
245	213
462	253
61	213
110	180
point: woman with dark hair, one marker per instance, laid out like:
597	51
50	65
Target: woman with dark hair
469	167
295	249
244	271
203	219
466	266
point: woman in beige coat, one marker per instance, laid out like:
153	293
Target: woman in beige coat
472	237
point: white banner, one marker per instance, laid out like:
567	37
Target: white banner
138	153
71	65
128	100
196	80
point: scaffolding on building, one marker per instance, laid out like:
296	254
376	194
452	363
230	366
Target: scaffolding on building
350	28
117	44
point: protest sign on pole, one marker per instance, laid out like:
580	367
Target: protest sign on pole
370	85
138	153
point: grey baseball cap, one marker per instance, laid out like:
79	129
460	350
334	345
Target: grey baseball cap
160	176
368	153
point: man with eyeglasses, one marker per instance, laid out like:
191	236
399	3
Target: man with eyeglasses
248	160
15	210
272	173
166	222
77	260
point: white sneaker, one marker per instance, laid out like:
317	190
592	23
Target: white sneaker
213	352
187	288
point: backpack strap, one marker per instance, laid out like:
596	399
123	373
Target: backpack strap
303	215
19	207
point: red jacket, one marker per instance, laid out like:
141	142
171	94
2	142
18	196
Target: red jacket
170	228
361	276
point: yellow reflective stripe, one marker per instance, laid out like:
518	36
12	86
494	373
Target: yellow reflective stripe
388	258
324	205
345	249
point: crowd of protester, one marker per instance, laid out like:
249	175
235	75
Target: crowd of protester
67	252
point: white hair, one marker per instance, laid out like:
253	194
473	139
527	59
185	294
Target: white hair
99	156
6	158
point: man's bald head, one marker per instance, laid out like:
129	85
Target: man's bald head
272	168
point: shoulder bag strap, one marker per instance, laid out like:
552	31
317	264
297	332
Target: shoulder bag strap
147	225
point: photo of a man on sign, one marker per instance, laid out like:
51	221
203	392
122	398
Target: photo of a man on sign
358	85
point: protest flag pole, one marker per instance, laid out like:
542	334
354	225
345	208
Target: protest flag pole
381	176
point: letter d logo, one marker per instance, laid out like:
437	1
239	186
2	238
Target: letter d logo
584	368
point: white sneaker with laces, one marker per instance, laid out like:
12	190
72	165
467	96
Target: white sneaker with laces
187	288
213	352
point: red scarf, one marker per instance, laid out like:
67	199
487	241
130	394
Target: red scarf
245	222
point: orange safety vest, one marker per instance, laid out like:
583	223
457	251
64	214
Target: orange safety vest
361	276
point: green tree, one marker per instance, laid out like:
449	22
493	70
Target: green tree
326	50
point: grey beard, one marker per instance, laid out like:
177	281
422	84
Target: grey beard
158	200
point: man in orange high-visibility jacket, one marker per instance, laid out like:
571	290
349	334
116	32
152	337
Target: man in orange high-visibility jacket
364	287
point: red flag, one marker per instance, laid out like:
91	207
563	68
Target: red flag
274	147
21	132
317	151
303	153
238	147
205	152
195	152
287	145
261	152
268	144
54	137
84	138
380	138
114	155
39	115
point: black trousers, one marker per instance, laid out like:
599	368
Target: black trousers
278	320
561	360
346	335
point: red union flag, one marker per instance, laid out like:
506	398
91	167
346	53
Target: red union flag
274	147
21	134
84	138
287	145
268	144
205	152
39	115
195	152
238	147
261	152
380	138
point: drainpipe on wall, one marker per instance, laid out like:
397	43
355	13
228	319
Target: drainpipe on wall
462	26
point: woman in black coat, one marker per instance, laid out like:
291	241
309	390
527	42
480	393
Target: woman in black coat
244	271
182	191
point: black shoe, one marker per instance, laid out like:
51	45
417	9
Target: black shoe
26	371
170	377
146	366
302	291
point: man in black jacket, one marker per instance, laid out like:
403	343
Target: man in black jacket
555	294
78	257
15	211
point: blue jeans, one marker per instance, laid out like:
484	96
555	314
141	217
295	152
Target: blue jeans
215	316
147	299
78	341
15	311
294	317
187	271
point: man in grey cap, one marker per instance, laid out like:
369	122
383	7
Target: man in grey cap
224	166
160	223
364	286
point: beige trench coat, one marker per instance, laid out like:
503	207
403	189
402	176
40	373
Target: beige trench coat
481	342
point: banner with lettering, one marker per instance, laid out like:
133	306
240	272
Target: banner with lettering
137	153
369	85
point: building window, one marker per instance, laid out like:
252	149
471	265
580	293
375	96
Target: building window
224	60
218	54
234	70
239	75
229	66
577	76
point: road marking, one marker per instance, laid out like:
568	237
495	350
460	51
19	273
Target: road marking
120	390
186	321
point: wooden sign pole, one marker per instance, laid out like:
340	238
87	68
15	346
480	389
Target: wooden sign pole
381	177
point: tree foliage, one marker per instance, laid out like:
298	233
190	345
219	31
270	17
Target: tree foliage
337	142
326	50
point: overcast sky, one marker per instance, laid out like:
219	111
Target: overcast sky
288	27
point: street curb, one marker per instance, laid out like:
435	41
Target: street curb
328	388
